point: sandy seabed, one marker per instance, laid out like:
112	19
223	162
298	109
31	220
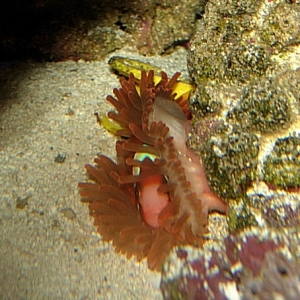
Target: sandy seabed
49	248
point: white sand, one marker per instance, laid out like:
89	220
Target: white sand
49	249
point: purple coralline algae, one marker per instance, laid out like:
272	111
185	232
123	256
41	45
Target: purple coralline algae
250	265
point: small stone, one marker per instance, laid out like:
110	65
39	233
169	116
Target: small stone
21	202
68	213
60	158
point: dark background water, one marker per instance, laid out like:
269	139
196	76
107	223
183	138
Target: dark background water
30	28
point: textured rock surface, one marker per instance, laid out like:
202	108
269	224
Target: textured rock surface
245	61
90	29
252	265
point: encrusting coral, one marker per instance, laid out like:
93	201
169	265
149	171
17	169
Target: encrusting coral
156	196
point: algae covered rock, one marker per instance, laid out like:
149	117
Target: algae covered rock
91	29
232	158
282	166
263	107
245	61
237	40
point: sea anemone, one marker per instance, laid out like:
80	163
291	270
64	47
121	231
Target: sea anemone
156	195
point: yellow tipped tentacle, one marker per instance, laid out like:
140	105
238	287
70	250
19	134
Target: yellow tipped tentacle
125	66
